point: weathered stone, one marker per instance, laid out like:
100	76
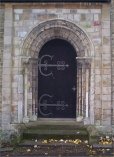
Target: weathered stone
98	114
96	11
18	11
98	64
106	122
97	90
106	32
106	98
96	17
106	90
106	48
105	12
30	27
106	40
83	11
106	64
106	24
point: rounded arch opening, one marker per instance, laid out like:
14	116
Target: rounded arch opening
57	89
60	42
75	36
57	28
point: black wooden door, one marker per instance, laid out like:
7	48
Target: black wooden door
57	80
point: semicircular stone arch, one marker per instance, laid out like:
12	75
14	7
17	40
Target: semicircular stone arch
60	29
57	29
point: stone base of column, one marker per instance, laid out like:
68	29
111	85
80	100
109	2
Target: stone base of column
86	121
33	118
25	119
79	119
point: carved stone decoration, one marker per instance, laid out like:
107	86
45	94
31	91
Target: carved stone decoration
58	29
67	31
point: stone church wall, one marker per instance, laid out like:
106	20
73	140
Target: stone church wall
112	56
1	55
19	20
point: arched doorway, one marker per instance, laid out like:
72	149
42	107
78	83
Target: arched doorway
33	64
57	80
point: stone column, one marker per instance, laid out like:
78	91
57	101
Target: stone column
79	88
25	119
34	90
84	89
92	92
7	67
20	98
87	94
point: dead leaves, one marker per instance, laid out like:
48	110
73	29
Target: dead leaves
68	141
105	140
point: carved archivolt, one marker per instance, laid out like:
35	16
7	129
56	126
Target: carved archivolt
57	29
84	51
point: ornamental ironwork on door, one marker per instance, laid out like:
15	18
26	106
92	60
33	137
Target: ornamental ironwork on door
57	80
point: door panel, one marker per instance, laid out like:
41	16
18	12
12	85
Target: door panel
57	80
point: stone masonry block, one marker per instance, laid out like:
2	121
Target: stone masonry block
106	40
83	11
98	71
106	49
106	64
106	32
7	40
106	122
106	98
106	24
77	17
8	23
106	90
106	12
97	90
98	113
97	102
18	11
106	83
6	71
96	11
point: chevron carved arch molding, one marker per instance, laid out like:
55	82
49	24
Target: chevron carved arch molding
57	29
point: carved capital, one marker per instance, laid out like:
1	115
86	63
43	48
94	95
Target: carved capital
84	61
25	60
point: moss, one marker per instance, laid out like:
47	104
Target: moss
56	132
15	139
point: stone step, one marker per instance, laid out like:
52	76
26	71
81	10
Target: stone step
51	142
55	150
7	149
55	123
101	146
56	132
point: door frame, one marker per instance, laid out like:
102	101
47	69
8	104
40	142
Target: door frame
66	30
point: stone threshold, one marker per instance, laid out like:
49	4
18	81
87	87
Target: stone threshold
58	121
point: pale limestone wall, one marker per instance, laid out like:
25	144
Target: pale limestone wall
1	55
7	67
104	59
19	22
112	56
